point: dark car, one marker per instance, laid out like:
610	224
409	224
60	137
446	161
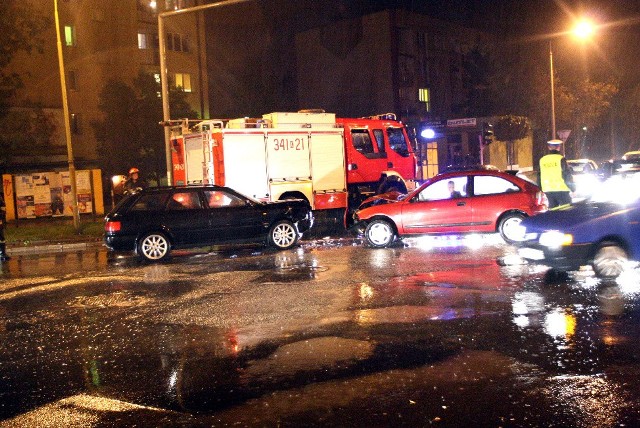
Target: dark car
614	167
155	220
475	201
603	232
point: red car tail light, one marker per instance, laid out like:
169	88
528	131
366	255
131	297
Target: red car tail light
112	226
541	199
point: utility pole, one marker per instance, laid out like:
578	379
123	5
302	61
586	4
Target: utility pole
67	127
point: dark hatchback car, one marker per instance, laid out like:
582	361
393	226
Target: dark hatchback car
603	232
156	220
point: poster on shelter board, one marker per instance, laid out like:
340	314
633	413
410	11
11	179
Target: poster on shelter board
48	194
24	196
41	194
55	189
83	192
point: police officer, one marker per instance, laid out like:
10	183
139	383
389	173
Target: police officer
556	180
134	182
3	222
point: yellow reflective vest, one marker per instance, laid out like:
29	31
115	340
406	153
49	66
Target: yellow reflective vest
551	178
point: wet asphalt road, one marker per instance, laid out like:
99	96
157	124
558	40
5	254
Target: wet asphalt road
328	334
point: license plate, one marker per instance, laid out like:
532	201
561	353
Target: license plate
531	254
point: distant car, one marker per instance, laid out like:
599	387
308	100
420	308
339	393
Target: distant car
156	220
618	167
581	166
603	232
633	155
483	201
585	177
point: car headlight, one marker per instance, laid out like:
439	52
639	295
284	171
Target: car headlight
555	239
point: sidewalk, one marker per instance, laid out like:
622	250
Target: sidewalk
52	235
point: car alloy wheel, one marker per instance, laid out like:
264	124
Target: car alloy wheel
509	227
379	233
154	246
609	261
283	235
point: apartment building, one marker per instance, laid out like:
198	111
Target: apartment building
102	41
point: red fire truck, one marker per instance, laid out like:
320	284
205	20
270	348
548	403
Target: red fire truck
333	163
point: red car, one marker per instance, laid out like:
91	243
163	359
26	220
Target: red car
453	202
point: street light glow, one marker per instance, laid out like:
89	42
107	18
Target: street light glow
584	29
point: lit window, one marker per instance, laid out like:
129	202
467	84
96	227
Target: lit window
423	96
183	81
69	35
142	41
158	80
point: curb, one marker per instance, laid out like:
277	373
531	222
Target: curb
51	248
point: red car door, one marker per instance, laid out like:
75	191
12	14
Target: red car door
441	207
493	196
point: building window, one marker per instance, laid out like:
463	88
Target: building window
177	42
74	123
72	82
424	97
142	41
69	35
177	4
158	80
183	81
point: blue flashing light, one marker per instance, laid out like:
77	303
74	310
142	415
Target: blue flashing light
428	133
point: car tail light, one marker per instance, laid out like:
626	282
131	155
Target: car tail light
541	199
112	226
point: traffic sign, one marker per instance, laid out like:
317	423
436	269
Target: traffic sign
563	134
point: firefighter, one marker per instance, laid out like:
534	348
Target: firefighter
556	180
134	182
3	222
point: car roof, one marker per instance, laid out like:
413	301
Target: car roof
183	187
584	160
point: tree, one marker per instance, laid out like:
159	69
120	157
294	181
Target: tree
20	28
130	134
22	129
628	111
582	105
25	132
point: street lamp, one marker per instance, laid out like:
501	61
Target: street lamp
67	127
582	30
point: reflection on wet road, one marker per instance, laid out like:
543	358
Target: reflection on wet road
327	334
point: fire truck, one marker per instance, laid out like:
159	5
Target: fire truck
331	162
